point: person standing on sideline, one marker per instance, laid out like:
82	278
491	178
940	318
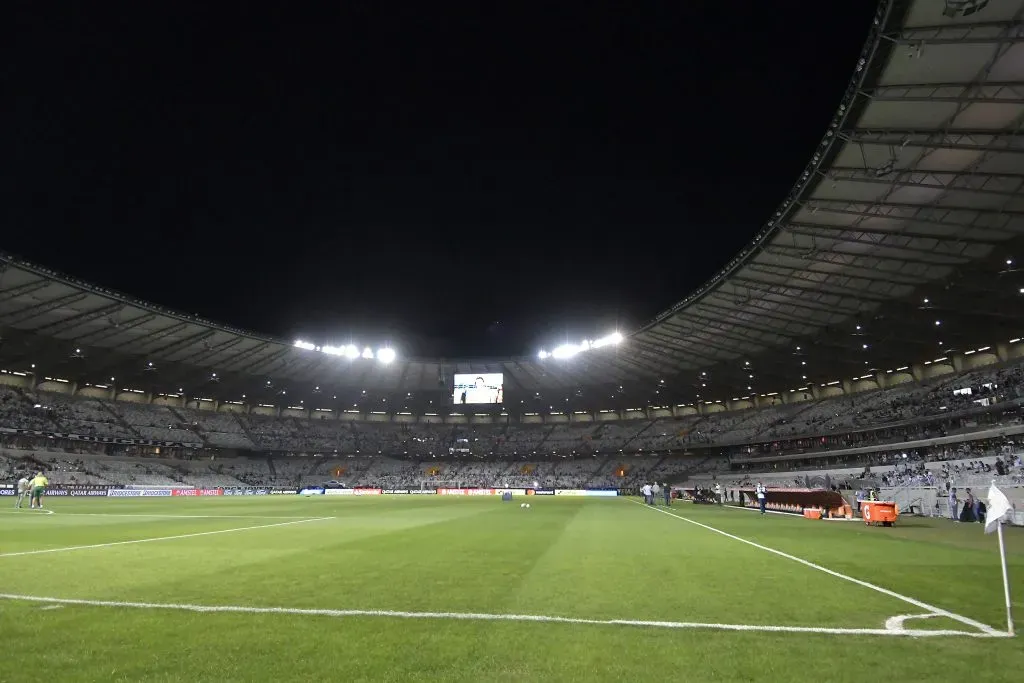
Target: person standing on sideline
655	490
39	484
718	493
645	490
23	491
975	503
953	505
667	490
762	496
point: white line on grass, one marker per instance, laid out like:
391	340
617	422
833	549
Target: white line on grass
160	538
896	623
885	591
472	616
23	511
132	514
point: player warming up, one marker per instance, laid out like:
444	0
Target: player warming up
22	491
39	484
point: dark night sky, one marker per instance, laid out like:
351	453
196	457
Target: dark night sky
415	171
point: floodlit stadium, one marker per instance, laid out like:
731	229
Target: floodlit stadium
221	504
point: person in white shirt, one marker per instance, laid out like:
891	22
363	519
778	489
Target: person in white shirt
718	493
23	490
655	490
762	496
646	491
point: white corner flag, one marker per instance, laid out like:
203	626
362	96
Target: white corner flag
995	510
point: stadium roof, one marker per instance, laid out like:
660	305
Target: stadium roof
896	245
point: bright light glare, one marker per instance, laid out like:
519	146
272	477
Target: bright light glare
570	350
385	355
565	351
305	345
613	338
367	353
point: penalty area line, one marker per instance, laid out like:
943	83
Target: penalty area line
160	538
984	628
148	516
479	616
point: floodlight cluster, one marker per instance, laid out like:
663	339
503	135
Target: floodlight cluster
351	351
570	350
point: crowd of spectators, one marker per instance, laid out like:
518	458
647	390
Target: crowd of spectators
948	405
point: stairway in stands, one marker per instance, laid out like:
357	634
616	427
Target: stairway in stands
633	438
540	444
120	420
791	419
246	431
192	426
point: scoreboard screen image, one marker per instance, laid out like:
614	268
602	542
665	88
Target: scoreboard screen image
483	388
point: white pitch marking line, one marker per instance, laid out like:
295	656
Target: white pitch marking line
133	514
896	623
22	511
471	616
160	538
885	591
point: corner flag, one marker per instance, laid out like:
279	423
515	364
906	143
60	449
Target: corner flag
996	508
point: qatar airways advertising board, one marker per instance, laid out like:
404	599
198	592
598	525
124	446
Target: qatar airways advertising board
465	492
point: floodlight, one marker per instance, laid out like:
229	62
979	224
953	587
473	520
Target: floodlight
385	355
367	353
565	351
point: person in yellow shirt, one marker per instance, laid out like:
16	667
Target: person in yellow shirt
39	484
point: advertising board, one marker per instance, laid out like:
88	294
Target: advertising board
197	492
466	492
366	492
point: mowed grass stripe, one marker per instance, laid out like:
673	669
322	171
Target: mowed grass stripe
41	532
155	539
572	558
920	604
293	562
952	566
616	561
454	555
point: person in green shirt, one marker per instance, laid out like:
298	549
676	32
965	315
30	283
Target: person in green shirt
39	484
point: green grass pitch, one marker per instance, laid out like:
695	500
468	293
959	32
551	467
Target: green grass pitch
410	588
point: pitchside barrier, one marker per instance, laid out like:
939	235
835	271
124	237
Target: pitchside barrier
317	491
140	491
95	490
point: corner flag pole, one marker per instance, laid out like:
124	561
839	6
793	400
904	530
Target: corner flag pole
1006	580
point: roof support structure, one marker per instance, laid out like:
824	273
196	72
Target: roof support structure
64	324
29	312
